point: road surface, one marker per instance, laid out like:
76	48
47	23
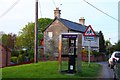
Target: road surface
106	72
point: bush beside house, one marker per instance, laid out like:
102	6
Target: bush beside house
21	57
94	56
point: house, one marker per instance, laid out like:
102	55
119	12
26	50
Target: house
5	55
60	25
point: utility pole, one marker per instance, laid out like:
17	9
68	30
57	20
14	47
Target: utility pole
36	33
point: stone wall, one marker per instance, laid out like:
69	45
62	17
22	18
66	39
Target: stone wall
56	28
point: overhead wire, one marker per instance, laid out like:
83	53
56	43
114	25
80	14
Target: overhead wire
16	2
101	11
54	3
40	8
10	8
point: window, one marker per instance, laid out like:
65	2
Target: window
50	34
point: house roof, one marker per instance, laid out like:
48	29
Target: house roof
73	25
70	25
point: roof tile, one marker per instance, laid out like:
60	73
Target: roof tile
73	25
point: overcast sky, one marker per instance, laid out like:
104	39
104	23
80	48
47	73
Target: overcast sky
72	10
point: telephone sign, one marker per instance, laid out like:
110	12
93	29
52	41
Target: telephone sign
69	36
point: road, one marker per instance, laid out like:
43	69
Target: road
106	72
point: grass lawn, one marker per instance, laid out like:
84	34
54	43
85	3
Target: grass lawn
47	69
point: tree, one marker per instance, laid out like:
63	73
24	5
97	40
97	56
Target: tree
25	38
8	40
116	47
1	34
107	43
102	47
109	48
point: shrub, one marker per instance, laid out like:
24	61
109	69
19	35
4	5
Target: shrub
15	53
14	59
95	53
22	52
85	52
21	58
30	54
47	56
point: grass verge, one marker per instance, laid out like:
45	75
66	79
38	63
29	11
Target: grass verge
47	70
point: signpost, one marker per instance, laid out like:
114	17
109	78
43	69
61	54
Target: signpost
89	36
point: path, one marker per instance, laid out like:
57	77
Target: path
106	71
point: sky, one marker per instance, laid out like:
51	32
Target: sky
24	11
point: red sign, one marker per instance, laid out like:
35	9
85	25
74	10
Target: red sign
89	31
42	42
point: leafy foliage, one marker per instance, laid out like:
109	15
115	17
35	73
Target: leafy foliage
15	53
30	54
14	59
21	58
85	52
107	43
102	47
116	47
25	38
8	40
95	53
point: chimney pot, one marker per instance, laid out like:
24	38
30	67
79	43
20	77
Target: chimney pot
82	21
57	13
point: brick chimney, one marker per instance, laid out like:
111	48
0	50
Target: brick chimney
57	13
82	21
